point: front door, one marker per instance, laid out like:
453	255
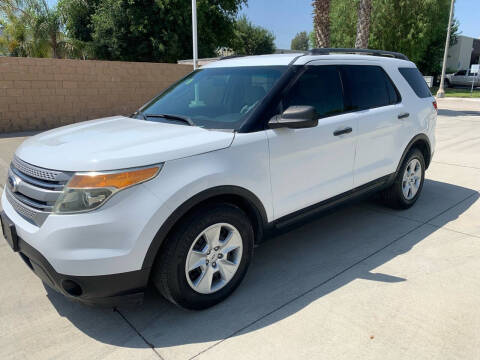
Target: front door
313	164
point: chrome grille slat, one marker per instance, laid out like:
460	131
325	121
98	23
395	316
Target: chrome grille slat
32	191
38	172
32	204
39	194
36	182
32	215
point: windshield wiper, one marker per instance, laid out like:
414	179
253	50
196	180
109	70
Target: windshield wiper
182	118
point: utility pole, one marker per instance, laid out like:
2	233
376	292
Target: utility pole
441	90
194	31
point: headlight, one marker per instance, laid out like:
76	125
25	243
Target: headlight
88	191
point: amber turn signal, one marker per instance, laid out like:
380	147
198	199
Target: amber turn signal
117	180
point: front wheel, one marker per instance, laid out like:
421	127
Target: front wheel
206	257
408	184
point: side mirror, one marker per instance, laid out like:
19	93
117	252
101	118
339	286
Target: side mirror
295	117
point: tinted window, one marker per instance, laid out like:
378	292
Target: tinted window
368	87
220	98
461	73
416	81
320	87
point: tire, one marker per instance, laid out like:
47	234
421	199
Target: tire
447	83
188	243
395	196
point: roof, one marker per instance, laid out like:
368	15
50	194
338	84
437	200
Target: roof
296	59
258	60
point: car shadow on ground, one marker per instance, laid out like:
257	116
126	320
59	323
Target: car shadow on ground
293	269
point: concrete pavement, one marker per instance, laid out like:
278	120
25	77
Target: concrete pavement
362	282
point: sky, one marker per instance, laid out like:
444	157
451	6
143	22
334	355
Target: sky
285	18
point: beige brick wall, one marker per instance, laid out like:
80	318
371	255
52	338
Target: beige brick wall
38	94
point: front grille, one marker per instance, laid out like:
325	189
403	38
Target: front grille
37	172
32	191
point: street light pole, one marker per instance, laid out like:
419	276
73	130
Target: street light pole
194	31
441	89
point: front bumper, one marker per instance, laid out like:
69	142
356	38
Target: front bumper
106	290
113	239
95	257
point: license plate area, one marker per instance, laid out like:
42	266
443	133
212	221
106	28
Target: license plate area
9	231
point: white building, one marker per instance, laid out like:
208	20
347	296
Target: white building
464	53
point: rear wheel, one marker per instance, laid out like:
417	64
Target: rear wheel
206	257
408	184
447	83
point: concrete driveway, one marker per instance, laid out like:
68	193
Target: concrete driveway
361	282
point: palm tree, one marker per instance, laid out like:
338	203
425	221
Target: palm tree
321	22
363	24
15	37
32	28
47	28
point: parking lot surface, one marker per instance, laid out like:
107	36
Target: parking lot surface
363	281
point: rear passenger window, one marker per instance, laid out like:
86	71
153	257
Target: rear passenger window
416	81
368	87
319	86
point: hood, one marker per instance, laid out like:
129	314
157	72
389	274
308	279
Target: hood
118	143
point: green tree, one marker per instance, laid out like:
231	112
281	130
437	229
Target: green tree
47	26
77	17
150	30
312	40
32	28
416	28
252	40
15	39
300	41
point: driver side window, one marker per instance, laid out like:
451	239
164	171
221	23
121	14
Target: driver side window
319	86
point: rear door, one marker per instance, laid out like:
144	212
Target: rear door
376	102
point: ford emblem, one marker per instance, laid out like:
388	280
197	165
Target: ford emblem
13	182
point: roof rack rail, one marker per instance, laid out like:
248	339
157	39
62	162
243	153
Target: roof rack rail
327	51
231	57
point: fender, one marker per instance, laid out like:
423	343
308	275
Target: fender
218	191
418	137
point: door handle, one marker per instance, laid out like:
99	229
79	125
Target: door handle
343	131
403	116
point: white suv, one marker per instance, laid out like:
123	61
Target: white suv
179	193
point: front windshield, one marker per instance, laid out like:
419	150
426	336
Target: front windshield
215	98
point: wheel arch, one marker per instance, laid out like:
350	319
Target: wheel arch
422	143
236	195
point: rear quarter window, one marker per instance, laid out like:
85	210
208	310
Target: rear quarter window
416	82
368	87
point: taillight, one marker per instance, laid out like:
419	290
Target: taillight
435	105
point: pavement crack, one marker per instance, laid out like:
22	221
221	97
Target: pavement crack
138	333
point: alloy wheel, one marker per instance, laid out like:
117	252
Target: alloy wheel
412	179
214	258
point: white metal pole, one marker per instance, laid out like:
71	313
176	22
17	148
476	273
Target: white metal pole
194	30
473	82
477	74
441	90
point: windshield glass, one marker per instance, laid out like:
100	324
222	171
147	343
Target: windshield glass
215	98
